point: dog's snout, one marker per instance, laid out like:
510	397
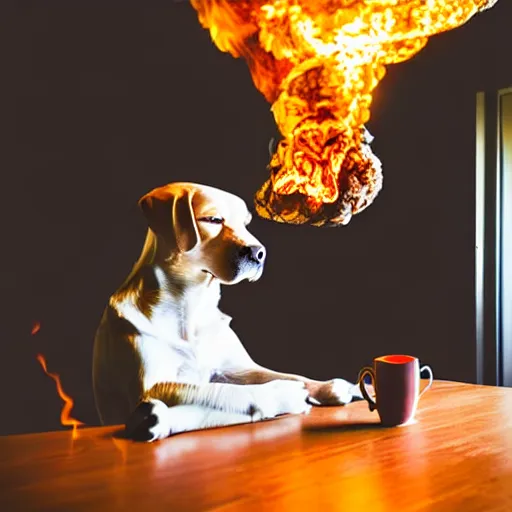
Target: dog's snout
255	253
259	253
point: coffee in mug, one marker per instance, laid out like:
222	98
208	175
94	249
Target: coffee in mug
396	380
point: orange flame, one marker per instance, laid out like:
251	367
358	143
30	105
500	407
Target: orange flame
65	416
35	328
318	62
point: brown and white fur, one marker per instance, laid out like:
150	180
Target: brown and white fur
165	357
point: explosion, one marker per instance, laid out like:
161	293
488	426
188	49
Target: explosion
317	62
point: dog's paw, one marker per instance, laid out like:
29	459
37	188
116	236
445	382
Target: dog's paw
280	397
335	392
149	421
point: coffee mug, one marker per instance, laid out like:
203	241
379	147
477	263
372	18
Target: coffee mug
396	380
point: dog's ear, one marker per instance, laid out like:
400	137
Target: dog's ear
184	222
171	216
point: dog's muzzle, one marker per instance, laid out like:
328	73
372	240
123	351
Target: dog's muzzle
251	260
254	254
242	262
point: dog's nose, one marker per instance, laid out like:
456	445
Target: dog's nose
255	253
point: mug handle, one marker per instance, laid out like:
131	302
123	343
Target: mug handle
431	378
360	379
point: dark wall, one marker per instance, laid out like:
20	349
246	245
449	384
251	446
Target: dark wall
103	100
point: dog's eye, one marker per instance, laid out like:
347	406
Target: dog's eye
212	219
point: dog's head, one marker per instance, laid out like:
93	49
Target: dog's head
205	230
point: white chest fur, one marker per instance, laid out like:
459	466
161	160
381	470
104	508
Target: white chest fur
179	341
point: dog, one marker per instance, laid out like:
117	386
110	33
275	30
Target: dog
165	358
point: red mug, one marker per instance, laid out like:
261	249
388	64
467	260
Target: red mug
396	380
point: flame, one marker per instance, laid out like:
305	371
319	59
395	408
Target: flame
35	328
65	417
317	62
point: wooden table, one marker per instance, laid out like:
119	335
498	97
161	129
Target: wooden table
456	457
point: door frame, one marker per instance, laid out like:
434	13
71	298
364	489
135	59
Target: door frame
493	356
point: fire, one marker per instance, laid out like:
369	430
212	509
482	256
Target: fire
35	328
65	416
317	62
